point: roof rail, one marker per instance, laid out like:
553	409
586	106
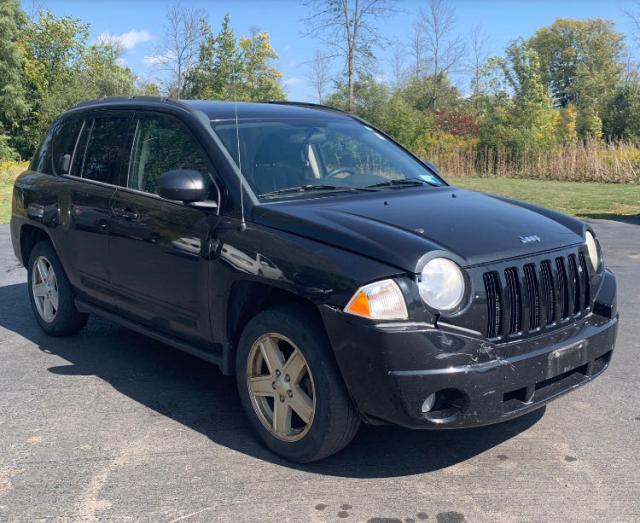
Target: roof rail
111	99
310	105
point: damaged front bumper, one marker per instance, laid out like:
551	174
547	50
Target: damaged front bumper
391	368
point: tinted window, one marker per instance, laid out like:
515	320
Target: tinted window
60	141
63	145
162	144
81	147
104	150
42	159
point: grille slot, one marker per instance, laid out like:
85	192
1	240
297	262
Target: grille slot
536	295
585	280
575	283
494	304
533	294
563	288
515	299
548	291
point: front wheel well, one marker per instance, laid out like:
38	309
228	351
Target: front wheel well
247	299
30	235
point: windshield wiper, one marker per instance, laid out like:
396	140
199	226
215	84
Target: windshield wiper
403	182
311	187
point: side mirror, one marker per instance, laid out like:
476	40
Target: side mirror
183	185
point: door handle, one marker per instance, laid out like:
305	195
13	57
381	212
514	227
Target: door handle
127	214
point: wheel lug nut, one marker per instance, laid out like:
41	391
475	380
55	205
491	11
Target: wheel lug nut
277	372
273	385
287	378
282	399
290	394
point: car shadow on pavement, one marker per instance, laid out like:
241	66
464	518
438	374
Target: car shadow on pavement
197	395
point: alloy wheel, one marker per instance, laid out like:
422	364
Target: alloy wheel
281	387
44	287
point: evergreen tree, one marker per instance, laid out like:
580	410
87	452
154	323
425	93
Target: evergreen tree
232	70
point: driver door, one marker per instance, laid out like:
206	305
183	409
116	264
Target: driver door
158	270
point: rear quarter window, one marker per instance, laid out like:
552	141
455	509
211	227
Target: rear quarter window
60	141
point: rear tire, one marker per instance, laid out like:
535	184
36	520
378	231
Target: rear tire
294	397
50	293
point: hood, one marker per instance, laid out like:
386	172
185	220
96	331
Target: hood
398	227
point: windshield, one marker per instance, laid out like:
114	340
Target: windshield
286	158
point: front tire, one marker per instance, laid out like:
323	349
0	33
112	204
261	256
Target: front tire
50	293
290	387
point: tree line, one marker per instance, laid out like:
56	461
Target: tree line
570	85
47	64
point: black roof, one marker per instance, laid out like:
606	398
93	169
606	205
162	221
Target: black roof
217	110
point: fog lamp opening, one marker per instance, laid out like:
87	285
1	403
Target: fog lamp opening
444	405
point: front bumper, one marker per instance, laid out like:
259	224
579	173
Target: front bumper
390	368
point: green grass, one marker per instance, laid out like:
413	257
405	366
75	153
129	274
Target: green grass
583	199
8	173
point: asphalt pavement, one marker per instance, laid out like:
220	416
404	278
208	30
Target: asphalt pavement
111	425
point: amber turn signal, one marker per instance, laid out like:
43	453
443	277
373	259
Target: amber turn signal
381	300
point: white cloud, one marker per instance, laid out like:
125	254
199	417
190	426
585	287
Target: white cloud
291	82
127	40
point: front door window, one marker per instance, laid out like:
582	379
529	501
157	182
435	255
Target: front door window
162	144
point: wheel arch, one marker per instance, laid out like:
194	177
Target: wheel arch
246	299
30	235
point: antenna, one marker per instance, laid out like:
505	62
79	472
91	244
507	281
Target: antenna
243	223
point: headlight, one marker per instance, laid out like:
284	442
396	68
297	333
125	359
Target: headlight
441	284
382	300
592	249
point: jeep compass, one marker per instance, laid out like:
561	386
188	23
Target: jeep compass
337	276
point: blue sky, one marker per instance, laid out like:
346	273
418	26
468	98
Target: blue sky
139	23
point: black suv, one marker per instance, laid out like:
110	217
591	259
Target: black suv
339	277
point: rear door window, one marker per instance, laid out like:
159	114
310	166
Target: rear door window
105	151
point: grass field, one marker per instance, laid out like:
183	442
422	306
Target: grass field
584	199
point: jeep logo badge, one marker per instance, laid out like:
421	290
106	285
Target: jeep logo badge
530	239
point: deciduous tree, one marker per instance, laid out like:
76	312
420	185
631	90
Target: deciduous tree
52	50
13	103
320	74
581	63
349	28
230	69
178	54
443	49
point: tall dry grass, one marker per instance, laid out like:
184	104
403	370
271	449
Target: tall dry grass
9	170
594	162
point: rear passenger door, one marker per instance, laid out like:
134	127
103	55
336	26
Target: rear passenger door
98	165
158	269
